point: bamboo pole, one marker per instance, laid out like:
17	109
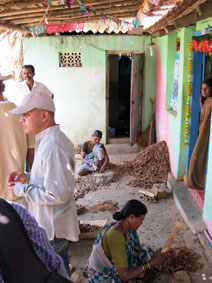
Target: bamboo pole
35	21
13	28
104	9
22	3
85	18
74	20
79	16
57	7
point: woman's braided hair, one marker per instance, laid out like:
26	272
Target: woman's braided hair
132	207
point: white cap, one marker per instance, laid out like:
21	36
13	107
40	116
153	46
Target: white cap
36	99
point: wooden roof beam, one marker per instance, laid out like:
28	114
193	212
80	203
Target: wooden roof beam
173	15
187	20
67	11
83	18
21	4
169	2
13	28
13	9
35	21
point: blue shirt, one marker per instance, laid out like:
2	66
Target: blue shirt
40	242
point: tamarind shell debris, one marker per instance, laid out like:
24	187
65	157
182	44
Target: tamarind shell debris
182	258
84	227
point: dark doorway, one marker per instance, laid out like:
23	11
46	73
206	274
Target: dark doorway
119	95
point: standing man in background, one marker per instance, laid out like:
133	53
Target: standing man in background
15	146
50	192
28	85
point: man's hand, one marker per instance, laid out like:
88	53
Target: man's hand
11	189
15	177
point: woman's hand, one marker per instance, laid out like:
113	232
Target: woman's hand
158	259
93	165
168	269
102	169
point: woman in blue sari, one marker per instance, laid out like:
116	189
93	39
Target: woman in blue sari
93	155
117	255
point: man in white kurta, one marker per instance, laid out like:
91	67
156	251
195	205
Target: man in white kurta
50	192
28	85
14	143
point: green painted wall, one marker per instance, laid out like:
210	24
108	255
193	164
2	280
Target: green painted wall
203	24
80	92
177	120
167	47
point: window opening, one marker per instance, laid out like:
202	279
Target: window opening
70	59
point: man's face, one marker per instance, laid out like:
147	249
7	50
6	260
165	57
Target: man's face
2	86
28	74
32	121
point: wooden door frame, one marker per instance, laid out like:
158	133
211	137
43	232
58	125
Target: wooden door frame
120	52
142	95
198	77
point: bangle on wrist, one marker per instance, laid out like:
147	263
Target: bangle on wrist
158	267
148	265
145	267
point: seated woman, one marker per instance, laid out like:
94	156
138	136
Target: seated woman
94	155
117	255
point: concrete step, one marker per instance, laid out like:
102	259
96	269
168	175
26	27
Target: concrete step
122	148
190	212
186	205
117	149
119	140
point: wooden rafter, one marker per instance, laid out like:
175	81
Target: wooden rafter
181	16
60	10
24	13
21	14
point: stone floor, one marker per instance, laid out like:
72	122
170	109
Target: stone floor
156	228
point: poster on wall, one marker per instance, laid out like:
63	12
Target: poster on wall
175	85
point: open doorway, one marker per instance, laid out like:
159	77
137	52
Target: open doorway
125	73
202	69
119	96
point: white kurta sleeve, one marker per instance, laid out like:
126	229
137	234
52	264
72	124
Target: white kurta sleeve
58	180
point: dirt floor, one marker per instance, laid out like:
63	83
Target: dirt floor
156	228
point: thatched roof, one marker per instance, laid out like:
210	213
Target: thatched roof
22	14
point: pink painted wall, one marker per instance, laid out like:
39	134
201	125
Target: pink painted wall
163	130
